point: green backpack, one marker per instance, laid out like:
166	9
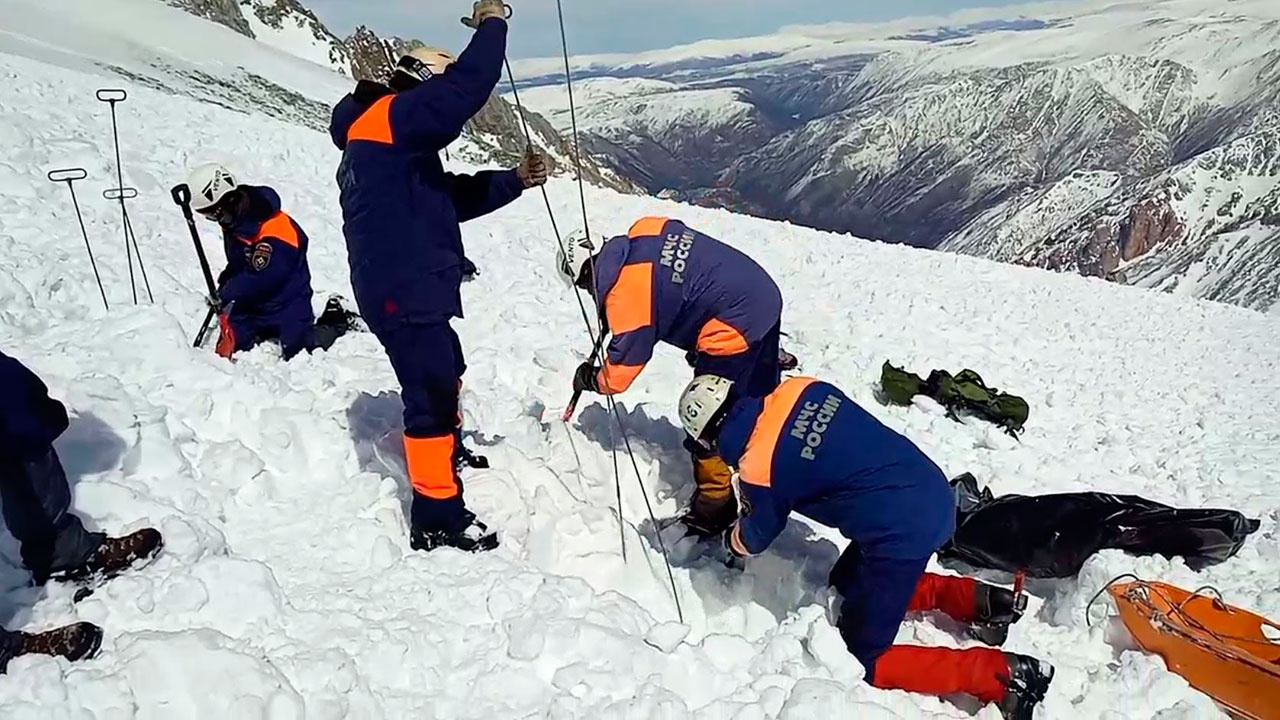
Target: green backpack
965	391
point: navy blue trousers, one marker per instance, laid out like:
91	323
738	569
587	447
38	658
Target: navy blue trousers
876	593
294	328
37	501
428	362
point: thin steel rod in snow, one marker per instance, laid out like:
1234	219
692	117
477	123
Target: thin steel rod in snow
613	408
528	144
111	96
573	118
70	176
123	194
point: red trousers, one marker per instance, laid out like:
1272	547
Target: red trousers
980	672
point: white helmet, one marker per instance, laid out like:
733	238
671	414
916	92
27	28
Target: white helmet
424	62
701	402
572	255
210	183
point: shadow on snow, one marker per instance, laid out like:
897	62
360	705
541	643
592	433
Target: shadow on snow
88	447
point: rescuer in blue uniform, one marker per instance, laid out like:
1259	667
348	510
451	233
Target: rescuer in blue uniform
808	448
265	290
401	212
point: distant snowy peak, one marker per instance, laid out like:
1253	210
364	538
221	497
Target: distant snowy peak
283	24
372	57
288	25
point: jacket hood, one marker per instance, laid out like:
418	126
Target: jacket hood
350	108
263	204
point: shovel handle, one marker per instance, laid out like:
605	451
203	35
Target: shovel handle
112	95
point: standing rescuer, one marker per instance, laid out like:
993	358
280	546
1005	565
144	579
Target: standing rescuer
401	214
808	448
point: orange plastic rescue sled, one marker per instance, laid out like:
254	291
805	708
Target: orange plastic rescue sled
1219	649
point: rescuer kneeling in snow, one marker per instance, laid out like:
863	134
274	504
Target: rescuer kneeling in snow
664	281
808	448
401	212
265	290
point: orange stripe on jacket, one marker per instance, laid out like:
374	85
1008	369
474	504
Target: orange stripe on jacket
629	304
617	378
756	466
375	124
430	462
647	227
281	227
720	338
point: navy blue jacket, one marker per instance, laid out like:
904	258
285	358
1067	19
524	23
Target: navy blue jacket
400	209
808	448
267	276
30	420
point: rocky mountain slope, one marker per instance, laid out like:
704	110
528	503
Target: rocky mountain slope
288	25
1132	141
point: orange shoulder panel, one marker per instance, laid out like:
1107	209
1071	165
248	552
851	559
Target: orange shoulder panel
629	304
375	124
647	227
280	226
756	466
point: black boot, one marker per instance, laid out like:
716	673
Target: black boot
998	608
1026	686
475	536
73	642
115	555
464	458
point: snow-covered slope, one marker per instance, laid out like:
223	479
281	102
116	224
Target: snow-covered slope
160	47
937	131
287	590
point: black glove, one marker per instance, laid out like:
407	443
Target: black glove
586	378
691	357
469	270
697	449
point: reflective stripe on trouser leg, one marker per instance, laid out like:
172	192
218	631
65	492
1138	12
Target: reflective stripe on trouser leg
430	463
980	672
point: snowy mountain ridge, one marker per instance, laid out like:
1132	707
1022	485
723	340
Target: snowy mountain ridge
287	590
957	133
289	26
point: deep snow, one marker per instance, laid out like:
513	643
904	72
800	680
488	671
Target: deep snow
287	589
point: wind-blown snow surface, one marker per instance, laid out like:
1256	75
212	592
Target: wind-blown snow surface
287	590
